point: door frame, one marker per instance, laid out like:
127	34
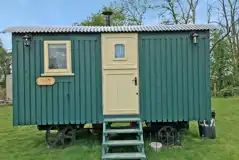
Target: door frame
107	68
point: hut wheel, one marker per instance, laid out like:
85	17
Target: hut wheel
69	135
168	136
60	136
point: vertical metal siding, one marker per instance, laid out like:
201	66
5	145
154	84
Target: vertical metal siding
72	99
174	77
15	83
174	80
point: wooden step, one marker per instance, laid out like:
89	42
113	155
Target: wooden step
123	143
124	127
122	119
120	131
124	156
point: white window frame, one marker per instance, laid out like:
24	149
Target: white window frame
125	51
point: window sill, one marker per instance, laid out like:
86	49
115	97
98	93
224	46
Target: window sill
120	59
57	74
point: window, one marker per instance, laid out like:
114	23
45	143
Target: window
57	58
119	51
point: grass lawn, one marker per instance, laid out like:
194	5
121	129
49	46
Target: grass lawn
28	143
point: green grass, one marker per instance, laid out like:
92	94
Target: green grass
28	143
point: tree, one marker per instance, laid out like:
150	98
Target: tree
224	49
97	19
227	22
5	65
177	11
125	12
169	7
221	62
193	6
134	11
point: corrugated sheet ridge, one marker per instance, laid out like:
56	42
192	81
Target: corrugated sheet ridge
136	28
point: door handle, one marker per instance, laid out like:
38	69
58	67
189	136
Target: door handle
135	81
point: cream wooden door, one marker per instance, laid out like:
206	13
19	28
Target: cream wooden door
120	73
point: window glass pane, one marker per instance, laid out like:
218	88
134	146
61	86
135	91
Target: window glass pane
57	56
119	51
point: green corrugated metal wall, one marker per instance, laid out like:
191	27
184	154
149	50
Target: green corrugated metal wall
174	77
173	73
74	99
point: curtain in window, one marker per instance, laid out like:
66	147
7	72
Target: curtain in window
57	56
119	51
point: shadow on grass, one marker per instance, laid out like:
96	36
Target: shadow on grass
84	137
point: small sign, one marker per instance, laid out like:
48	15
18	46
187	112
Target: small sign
45	81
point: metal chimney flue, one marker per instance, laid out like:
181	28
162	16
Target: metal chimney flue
107	17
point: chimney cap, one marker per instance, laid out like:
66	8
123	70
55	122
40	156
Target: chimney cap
107	13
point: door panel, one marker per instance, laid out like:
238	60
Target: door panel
130	61
120	68
120	92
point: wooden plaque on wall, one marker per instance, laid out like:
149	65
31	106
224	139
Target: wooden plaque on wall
45	81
